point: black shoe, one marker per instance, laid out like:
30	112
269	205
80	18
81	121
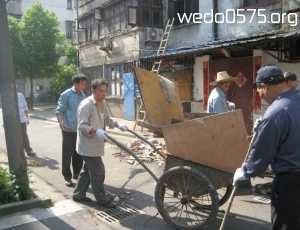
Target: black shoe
109	205
75	177
69	183
84	199
31	153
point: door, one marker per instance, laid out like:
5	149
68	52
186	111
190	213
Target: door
240	92
129	109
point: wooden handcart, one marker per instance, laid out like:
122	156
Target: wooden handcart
203	156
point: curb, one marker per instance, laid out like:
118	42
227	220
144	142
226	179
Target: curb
20	206
108	131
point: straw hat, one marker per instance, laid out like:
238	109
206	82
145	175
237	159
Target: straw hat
223	77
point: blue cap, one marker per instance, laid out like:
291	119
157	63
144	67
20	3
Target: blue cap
268	74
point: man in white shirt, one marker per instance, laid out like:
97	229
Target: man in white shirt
23	111
93	118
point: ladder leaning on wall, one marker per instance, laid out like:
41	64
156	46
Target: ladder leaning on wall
141	114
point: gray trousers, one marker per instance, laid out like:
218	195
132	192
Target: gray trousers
93	172
25	138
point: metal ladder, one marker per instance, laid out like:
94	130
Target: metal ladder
141	112
162	46
155	69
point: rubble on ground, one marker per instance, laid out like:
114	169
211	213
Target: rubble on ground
143	151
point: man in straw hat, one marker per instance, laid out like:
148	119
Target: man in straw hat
277	146
217	102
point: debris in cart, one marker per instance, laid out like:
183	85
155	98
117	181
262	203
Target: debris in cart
144	152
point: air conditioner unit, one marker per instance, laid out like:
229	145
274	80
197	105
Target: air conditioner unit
98	14
81	33
75	38
153	34
105	44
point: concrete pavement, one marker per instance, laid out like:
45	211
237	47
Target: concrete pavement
47	112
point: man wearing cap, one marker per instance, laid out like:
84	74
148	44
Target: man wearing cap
291	81
217	102
277	146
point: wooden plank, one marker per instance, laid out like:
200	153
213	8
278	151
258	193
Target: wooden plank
150	127
197	115
218	141
159	110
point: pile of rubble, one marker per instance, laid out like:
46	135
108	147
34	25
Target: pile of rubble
144	152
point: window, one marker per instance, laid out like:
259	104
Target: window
254	2
132	16
69	4
70	26
151	13
182	6
114	76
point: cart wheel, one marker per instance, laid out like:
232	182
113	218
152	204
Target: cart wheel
186	198
224	194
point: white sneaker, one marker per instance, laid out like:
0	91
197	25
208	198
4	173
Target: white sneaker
31	153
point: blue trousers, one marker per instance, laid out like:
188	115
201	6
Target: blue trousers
285	201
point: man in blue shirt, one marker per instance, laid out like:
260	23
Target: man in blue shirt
217	102
66	113
277	146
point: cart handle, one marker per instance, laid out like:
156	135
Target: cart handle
143	139
132	154
235	187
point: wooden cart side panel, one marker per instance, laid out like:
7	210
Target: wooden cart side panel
218	141
159	111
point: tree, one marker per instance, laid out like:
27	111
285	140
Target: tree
64	73
71	53
63	78
36	45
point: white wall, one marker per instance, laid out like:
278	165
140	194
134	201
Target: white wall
194	33
198	77
59	7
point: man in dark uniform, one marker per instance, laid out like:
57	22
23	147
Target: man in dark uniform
277	145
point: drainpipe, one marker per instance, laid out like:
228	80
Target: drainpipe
103	67
214	24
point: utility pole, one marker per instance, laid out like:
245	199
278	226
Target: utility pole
11	117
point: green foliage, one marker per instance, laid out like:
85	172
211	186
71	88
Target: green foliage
47	204
71	53
64	73
63	78
37	43
13	187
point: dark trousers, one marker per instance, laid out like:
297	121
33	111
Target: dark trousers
26	142
93	172
69	154
285	201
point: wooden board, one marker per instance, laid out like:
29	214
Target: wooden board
159	110
219	141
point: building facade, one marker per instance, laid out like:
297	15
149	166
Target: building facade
207	36
112	36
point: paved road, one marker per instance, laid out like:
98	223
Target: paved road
45	137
